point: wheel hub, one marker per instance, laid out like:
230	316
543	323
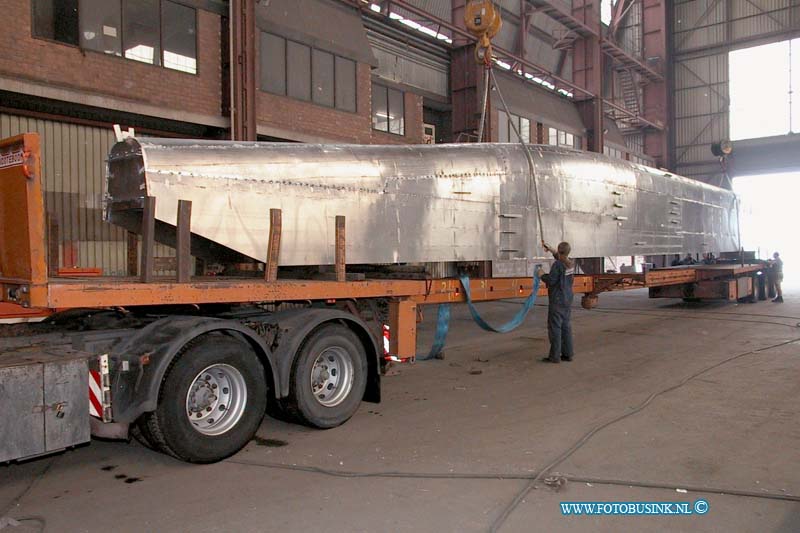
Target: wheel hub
332	376
216	399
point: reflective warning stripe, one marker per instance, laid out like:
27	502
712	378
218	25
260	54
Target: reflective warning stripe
386	340
95	394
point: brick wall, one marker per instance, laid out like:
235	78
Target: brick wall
62	65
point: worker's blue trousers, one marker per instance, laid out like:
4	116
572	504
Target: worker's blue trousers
559	329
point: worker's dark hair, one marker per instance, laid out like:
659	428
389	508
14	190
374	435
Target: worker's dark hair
563	253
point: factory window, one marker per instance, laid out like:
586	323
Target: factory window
345	90
613	152
273	63
56	20
557	137
505	128
141	31
397	112
502	128
322	77
525	129
100	26
289	68
179	37
298	70
388	110
158	32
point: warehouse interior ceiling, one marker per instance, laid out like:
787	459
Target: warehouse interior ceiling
762	81
768	205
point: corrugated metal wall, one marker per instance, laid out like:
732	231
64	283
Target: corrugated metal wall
701	112
704	32
703	23
407	64
629	34
73	175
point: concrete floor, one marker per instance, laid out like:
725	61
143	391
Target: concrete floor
489	408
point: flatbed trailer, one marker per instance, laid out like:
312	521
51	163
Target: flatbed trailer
188	364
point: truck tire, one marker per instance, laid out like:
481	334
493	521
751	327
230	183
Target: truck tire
211	401
139	431
329	376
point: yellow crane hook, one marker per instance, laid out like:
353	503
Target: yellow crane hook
482	19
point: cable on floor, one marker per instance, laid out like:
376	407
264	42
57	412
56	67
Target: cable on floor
697	316
28	488
656	314
699	310
512	477
688	488
40	520
500	520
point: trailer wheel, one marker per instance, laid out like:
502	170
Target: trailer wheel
329	376
211	402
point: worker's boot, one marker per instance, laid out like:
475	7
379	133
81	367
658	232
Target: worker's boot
778	299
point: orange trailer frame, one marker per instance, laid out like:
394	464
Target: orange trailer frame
24	279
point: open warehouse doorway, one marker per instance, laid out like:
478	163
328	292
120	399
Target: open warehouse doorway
769	218
764	125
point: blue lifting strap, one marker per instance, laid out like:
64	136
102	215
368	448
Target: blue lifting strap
511	325
443	318
442	327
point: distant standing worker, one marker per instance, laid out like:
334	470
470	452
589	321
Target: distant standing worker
559	312
777	276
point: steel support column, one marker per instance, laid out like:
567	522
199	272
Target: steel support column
655	97
243	69
587	71
466	91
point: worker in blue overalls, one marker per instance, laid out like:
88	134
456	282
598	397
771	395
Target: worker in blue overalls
559	311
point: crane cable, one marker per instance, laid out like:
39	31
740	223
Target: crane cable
485	104
532	167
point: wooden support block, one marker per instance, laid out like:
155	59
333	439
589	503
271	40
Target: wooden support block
148	239
184	244
274	246
133	254
403	328
341	261
53	237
